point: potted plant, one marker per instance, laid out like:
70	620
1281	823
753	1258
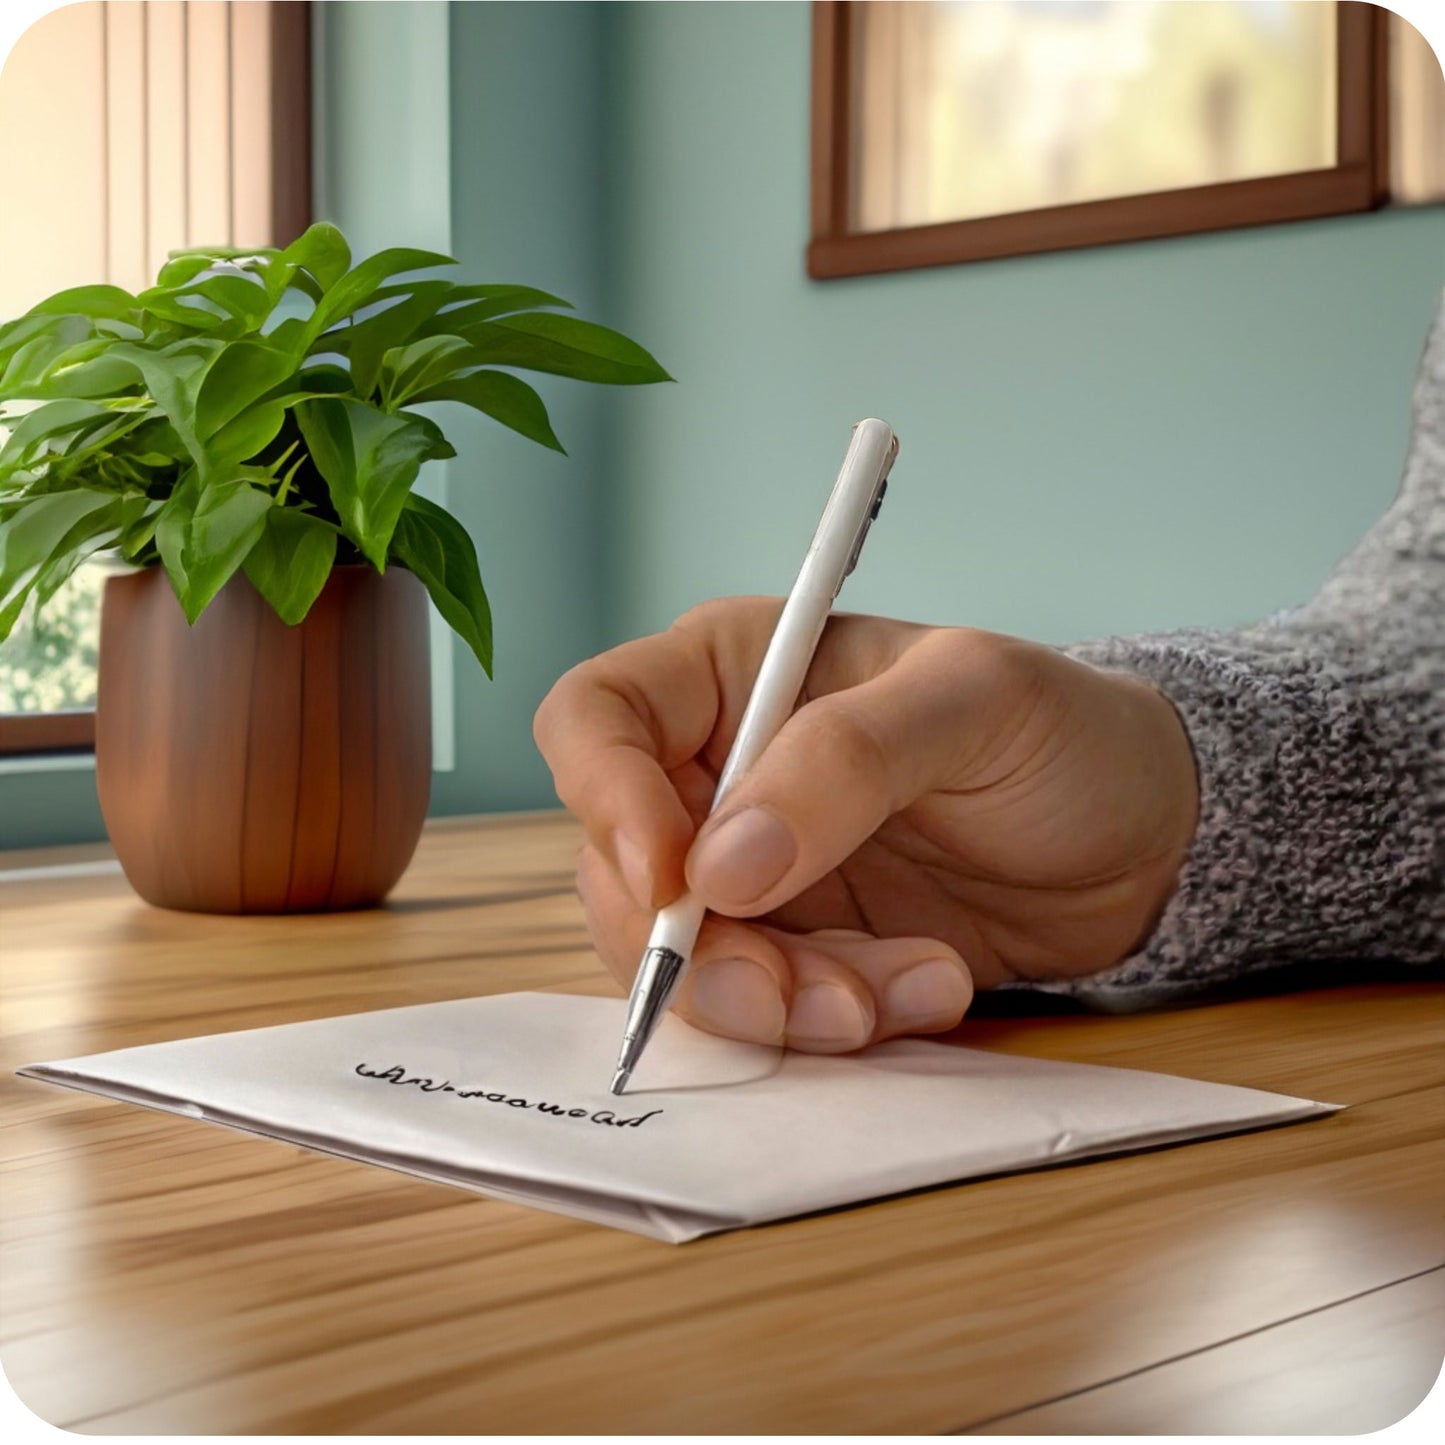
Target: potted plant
244	435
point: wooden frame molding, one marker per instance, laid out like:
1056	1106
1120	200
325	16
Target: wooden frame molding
291	178
1357	182
72	731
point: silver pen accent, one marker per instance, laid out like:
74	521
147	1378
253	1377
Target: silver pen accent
657	977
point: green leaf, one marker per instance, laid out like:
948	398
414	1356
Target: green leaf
222	253
413	368
168	306
109	301
232	302
14	334
173	376
290	563
25	364
30	535
322	250
107	327
241	295
155	444
358	285
365	342
258	265
434	545
86	456
438	448
240	374
94	532
180	269
276	275
243	437
492	301
86	369
302	281
565	346
47	422
136	537
369	460
288	336
204	533
506	398
324	377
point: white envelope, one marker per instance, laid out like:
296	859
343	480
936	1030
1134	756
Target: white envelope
507	1096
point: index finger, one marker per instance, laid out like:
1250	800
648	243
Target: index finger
611	730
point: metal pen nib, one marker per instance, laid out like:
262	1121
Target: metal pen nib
657	977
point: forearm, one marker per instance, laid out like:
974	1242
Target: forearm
1319	832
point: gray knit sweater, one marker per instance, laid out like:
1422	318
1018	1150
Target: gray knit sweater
1319	736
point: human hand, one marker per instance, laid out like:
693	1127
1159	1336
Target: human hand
946	807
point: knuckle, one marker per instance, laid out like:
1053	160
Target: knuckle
1007	664
703	617
729	632
719	614
582	791
590	877
554	709
846	739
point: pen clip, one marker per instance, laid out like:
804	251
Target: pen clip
862	536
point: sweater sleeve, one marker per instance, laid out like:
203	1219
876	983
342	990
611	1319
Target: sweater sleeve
1319	736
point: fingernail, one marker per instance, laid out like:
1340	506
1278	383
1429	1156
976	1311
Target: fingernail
740	859
823	1013
740	998
928	994
636	870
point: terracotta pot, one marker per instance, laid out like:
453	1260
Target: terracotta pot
249	767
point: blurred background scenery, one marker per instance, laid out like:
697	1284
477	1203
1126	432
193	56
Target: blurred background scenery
49	660
1003	107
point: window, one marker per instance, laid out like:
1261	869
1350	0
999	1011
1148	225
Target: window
958	131
146	127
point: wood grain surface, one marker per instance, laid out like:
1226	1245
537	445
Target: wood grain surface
1298	1377
162	1275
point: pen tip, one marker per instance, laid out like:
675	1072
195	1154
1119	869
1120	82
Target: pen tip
619	1080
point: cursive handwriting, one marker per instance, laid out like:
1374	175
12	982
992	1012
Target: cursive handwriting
396	1074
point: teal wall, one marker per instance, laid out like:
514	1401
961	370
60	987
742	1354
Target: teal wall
527	186
1093	441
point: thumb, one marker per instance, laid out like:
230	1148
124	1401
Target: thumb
838	768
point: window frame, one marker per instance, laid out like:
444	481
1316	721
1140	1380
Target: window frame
72	730
1358	182
68	730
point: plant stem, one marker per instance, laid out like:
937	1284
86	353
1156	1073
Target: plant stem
286	481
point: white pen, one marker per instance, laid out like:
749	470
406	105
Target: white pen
852	506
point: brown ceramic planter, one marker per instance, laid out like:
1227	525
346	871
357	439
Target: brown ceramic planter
249	767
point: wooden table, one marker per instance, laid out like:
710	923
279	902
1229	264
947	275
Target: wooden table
162	1275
